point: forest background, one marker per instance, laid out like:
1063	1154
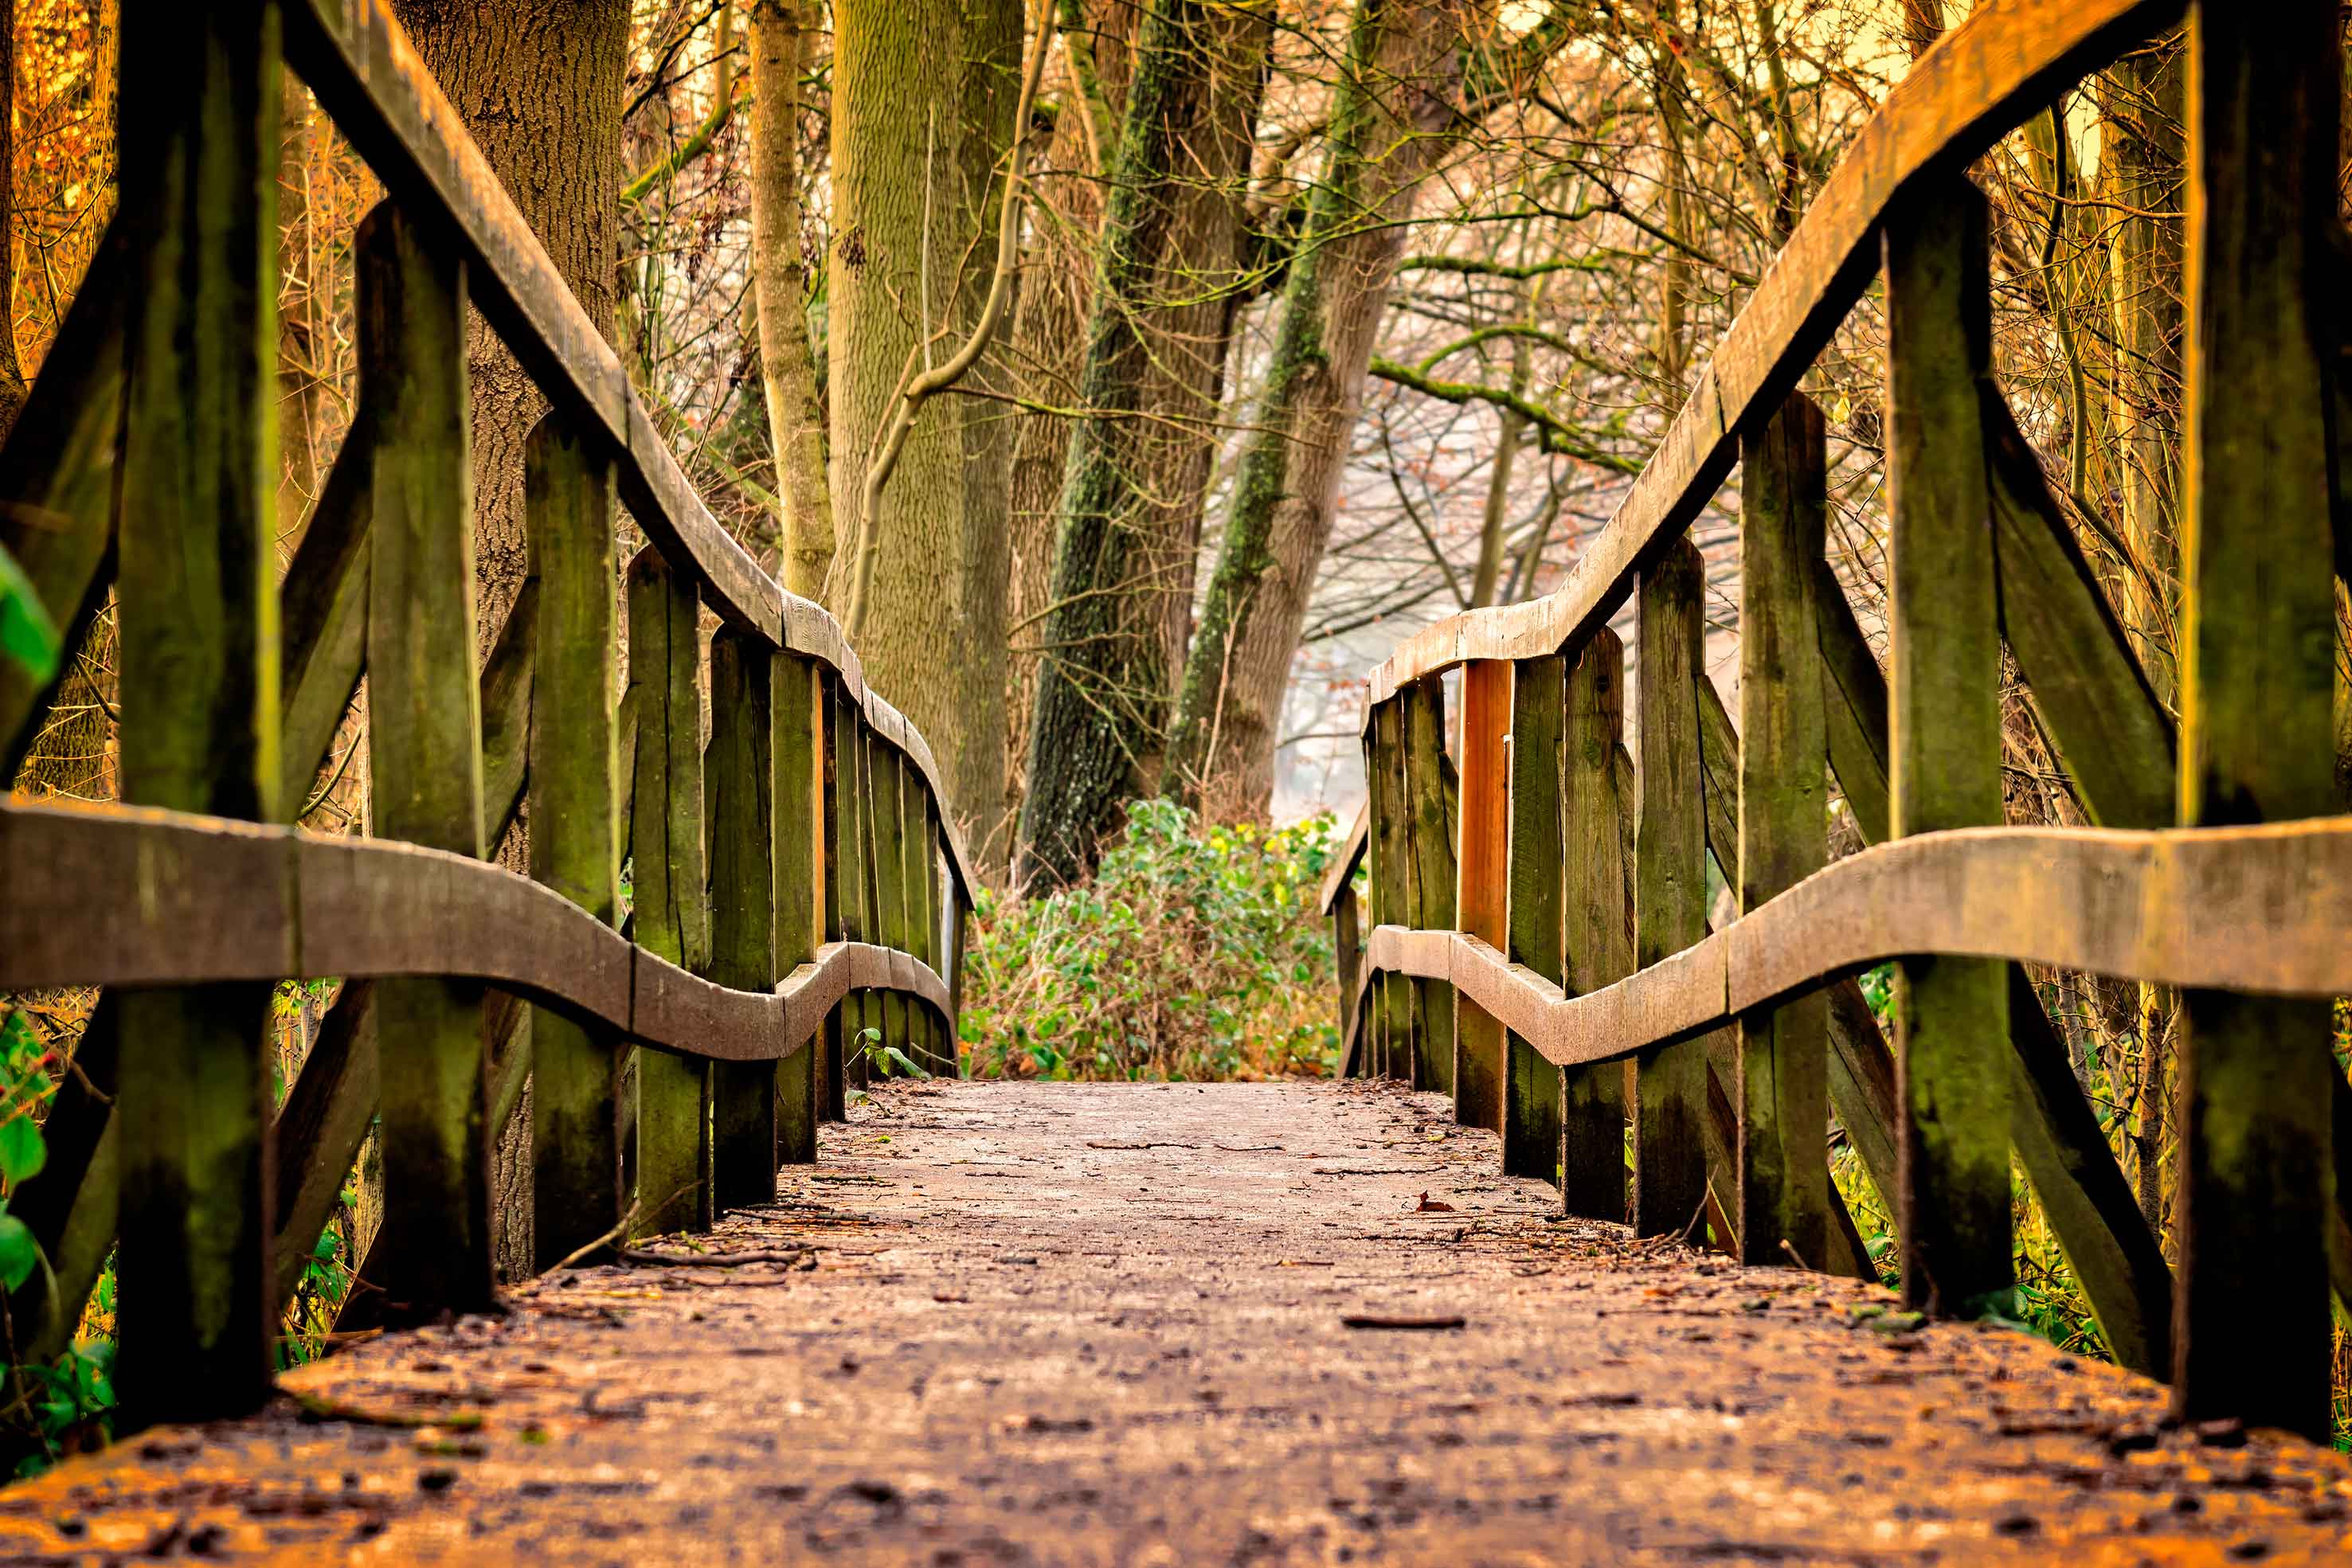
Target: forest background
1130	375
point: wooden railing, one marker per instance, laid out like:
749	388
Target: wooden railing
797	891
1539	944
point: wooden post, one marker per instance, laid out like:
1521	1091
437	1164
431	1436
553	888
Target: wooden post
831	1093
1432	891
1600	946
668	893
1783	1089
851	899
1532	1129
1348	945
1388	1049
797	696
198	689
1670	887
1951	1015
939	1031
1482	903
424	759
887	770
2258	629
741	791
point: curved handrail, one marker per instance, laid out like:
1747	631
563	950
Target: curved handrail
1961	97
2260	909
130	900
358	62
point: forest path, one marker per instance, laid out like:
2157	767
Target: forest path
1079	1323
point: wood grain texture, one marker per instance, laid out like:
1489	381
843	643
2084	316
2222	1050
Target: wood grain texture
1428	791
1594	904
1390	882
1482	902
2258	635
1670	881
1536	928
1951	1018
739	781
1980	81
1781	1089
797	745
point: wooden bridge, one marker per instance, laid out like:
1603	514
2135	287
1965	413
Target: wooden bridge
1400	1320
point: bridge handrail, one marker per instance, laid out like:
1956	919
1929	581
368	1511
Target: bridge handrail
1550	921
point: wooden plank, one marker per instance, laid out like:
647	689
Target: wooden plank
323	609
1482	902
1600	944
844	899
58	473
887	770
2258	633
938	1037
424	761
1944	650
1432	881
796	851
1854	702
198	682
1347	855
1984	77
1782	1207
506	714
1391	884
1670	885
1536	928
1348	949
738	776
575	839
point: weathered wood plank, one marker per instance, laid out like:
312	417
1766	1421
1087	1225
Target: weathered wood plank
845	900
888	770
1482	902
1670	885
1600	943
198	681
1347	948
322	611
1432	881
1389	1024
576	836
796	853
2258	631
1783	1088
424	759
738	777
1536	926
1944	650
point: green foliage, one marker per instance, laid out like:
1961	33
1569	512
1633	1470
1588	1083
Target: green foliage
1196	953
28	638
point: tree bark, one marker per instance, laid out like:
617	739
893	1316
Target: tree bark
781	44
1128	520
1398	94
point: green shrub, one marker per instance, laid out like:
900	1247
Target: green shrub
1195	953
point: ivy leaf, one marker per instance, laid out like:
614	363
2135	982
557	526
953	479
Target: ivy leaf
27	636
19	1253
21	1150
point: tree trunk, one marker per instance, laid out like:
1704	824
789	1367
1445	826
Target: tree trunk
1398	87
12	371
1130	518
780	41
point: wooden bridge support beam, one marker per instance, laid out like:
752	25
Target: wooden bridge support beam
1482	899
797	696
424	757
2258	630
740	793
1430	898
1536	1140
1388	1047
1782	1091
1670	887
198	680
848	899
1944	649
1598	940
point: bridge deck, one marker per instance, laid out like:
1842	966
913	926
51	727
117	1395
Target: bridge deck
1108	1324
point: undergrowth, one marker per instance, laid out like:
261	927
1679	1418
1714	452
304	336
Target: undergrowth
1197	952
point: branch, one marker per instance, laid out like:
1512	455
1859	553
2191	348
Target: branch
685	152
1552	434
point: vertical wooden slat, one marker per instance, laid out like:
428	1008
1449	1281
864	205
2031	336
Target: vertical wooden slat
1482	904
669	899
1432	882
198	678
850	902
888	770
1783	1089
833	852
1670	888
424	757
739	795
1388	1047
2258	633
937	1036
1538	870
797	696
1348	947
1951	1015
1598	946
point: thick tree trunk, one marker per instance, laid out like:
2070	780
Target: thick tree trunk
1129	516
1400	85
781	39
12	371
